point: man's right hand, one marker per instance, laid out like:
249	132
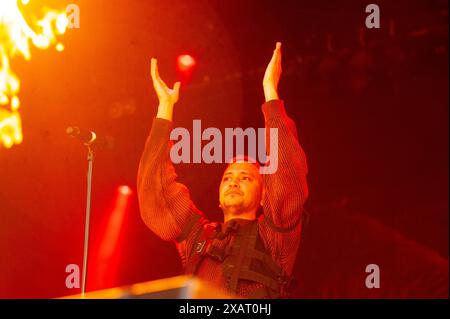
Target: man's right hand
167	97
272	75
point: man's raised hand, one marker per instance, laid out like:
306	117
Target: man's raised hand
272	75
167	97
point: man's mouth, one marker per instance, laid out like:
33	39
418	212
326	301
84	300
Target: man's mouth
233	192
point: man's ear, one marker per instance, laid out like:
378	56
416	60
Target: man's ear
263	196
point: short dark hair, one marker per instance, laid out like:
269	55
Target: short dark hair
244	159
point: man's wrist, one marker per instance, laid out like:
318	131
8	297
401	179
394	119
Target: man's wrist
165	111
270	93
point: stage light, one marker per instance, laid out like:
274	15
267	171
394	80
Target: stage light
60	47
125	190
185	62
107	252
15	37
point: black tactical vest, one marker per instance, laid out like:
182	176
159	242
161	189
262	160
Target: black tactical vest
243	256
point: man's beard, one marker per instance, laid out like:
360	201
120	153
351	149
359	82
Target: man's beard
234	205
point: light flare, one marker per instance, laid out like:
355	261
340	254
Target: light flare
15	37
185	62
107	252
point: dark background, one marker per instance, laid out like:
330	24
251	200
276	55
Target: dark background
371	107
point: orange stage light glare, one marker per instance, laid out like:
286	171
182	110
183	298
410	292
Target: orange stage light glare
15	37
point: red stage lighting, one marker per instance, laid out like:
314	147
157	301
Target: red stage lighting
185	62
125	190
106	256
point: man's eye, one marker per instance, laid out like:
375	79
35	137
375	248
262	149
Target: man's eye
226	179
246	178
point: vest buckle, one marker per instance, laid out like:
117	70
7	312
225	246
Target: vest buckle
200	246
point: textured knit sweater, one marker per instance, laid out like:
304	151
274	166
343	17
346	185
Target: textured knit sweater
167	209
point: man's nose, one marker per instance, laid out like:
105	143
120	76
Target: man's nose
234	184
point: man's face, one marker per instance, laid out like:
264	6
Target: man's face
241	188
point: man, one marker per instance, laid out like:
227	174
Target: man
250	254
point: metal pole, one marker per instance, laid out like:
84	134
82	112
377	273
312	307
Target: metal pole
90	159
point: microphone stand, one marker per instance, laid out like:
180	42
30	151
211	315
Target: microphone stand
90	159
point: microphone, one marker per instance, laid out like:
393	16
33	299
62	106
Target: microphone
90	138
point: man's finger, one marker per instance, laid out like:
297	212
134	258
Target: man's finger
273	59
153	68
176	86
278	53
157	77
156	70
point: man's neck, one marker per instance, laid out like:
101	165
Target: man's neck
239	215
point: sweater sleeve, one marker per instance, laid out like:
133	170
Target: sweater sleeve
286	189
165	204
